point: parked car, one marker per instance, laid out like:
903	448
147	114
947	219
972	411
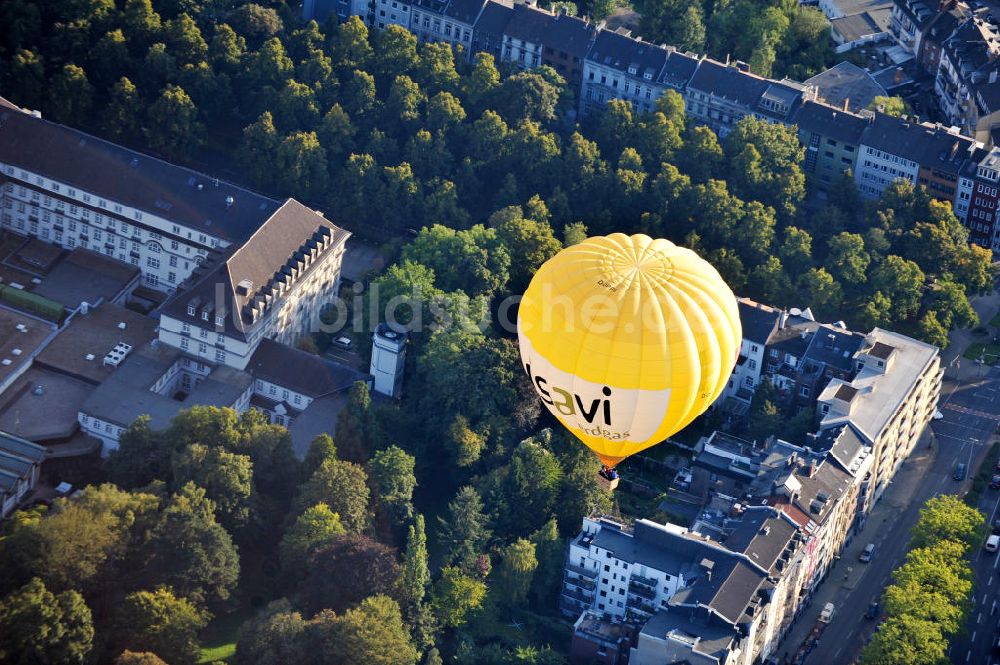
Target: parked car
959	472
872	610
992	543
996	526
827	613
995	482
867	553
342	342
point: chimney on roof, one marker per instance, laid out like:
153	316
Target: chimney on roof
811	468
230	201
847	104
993	76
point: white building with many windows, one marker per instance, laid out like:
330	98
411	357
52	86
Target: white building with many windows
272	286
75	190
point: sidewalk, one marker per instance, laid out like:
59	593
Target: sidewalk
885	519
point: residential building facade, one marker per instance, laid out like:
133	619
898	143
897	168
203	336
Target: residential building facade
164	219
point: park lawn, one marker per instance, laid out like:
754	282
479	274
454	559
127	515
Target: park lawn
218	640
976	350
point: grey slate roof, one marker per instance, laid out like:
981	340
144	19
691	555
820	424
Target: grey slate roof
843	443
763	534
710	640
464	11
930	146
825	120
845	81
834	347
613	49
728	83
759	321
261	259
528	24
678	70
305	373
129	177
494	18
570	34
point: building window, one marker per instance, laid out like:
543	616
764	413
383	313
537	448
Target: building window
220	356
151	262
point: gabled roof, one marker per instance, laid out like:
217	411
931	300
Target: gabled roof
759	321
679	69
494	18
132	178
620	51
824	120
570	34
846	82
728	82
263	261
17	457
301	372
464	11
528	24
928	145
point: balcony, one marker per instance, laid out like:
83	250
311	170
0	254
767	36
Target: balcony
640	590
577	595
580	582
637	606
645	581
581	571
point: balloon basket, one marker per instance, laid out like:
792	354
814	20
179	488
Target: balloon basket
609	485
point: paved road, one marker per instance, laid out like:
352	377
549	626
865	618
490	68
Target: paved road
978	410
969	407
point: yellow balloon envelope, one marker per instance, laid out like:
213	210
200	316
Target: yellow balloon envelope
627	339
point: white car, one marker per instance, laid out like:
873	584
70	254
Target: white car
827	613
342	342
938	415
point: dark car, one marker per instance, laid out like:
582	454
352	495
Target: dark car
995	482
959	472
996	526
872	610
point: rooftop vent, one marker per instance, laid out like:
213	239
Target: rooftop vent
89	357
39	390
230	201
244	287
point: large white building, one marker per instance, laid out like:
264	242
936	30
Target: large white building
696	600
273	286
76	190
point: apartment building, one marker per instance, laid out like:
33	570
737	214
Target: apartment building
272	286
760	323
909	20
925	154
832	138
75	190
487	35
968	59
619	67
888	403
976	204
720	95
680	586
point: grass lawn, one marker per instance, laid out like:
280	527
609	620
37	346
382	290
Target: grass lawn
990	352
218	640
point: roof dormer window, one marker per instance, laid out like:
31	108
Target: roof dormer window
190	310
204	316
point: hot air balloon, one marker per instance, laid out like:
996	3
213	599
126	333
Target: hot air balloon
626	340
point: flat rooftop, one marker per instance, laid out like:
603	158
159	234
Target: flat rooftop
95	333
48	416
86	276
18	344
